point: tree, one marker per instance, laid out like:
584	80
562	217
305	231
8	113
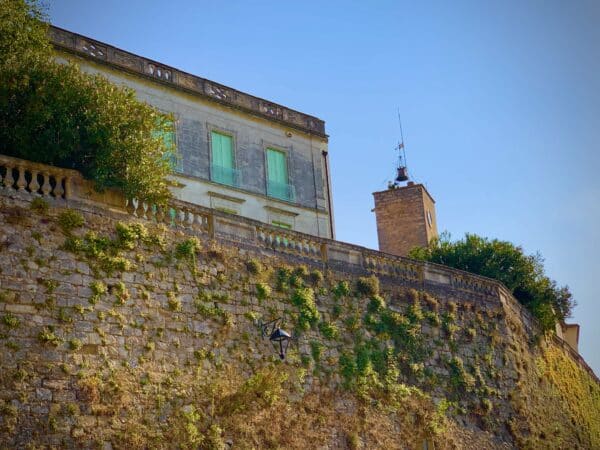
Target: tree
522	274
56	114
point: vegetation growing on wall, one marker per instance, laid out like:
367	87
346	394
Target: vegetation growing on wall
145	336
522	274
56	114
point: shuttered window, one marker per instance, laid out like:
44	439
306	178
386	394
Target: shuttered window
276	166
222	168
277	176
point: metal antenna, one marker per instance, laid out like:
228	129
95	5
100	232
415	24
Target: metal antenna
402	170
401	144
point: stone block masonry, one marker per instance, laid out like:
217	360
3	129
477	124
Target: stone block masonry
405	218
130	332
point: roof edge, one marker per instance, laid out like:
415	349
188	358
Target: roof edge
147	68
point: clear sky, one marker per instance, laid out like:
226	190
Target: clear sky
500	105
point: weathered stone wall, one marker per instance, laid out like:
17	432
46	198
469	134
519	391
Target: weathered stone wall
117	332
405	219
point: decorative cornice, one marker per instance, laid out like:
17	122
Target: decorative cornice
226	197
107	54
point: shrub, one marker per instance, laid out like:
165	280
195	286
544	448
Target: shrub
75	344
368	286
47	336
520	273
11	321
39	205
59	115
315	277
69	219
341	289
263	291
187	249
129	233
304	299
254	266
329	330
377	303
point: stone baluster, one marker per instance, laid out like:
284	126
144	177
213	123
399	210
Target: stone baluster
46	186
144	210
21	181
189	222
134	203
199	222
178	216
34	186
159	214
58	187
68	187
8	179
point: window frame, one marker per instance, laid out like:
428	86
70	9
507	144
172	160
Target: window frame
234	160
286	153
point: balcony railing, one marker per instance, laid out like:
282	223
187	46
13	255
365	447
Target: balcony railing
225	175
282	191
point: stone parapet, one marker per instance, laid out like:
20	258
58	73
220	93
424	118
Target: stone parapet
247	233
161	73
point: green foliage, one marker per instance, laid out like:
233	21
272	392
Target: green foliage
315	277
316	350
254	266
70	219
377	303
100	251
57	114
368	286
342	289
47	336
128	235
520	273
263	291
282	279
460	379
304	299
75	344
98	290
11	321
329	330
39	205
188	249
173	302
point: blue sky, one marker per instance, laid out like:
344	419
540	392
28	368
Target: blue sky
500	105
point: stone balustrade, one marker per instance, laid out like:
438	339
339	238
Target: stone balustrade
38	179
286	241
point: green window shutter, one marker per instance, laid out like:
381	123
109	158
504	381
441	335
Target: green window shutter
277	175
277	166
222	158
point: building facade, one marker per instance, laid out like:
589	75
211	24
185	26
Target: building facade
236	153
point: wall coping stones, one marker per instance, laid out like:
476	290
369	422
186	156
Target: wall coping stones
106	54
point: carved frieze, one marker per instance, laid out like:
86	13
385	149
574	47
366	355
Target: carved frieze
84	46
93	49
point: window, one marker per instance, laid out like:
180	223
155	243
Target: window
277	176
222	168
284	225
429	220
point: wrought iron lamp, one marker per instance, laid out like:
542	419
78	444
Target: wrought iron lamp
279	338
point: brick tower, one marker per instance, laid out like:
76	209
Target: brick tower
405	218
